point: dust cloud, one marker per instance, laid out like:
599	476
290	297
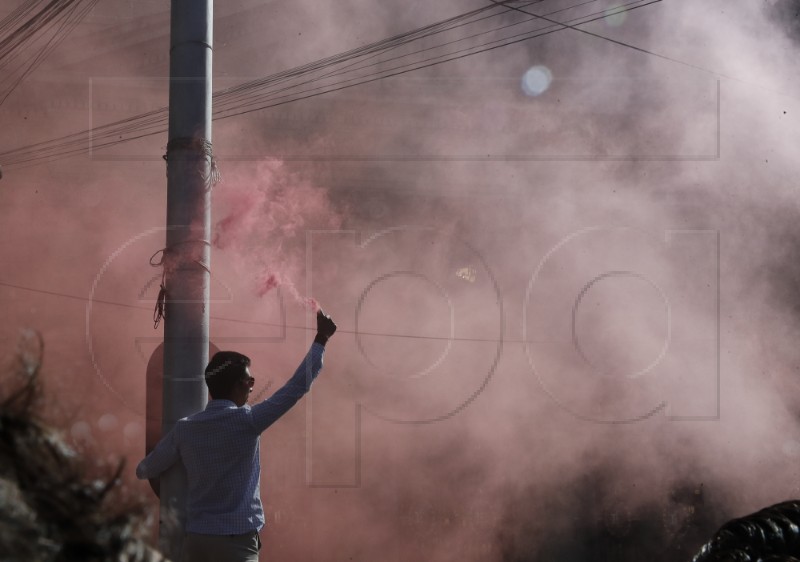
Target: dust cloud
564	271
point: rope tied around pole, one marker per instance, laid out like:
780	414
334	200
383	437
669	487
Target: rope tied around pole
202	147
167	261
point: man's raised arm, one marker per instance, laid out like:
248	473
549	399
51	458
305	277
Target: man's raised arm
267	412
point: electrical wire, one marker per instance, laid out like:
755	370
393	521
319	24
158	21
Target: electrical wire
31	32
254	322
256	95
155	121
611	12
350	68
373	49
152	120
274	101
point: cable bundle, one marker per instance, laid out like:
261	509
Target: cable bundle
31	32
370	63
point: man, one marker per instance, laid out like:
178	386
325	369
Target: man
219	447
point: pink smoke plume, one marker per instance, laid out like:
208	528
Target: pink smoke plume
270	280
267	211
239	219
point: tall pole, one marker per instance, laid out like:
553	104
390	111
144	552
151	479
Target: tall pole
187	257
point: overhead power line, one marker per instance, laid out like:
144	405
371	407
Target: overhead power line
149	309
370	63
31	32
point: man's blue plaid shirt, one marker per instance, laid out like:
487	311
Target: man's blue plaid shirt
220	449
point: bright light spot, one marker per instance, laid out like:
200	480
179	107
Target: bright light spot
536	80
616	15
467	274
107	422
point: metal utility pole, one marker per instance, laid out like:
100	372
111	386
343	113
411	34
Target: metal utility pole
190	172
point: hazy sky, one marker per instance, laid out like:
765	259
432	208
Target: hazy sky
564	270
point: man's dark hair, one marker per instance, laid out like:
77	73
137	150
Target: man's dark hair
224	369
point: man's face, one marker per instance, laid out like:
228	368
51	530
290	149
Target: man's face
244	387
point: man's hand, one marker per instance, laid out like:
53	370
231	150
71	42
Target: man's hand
325	327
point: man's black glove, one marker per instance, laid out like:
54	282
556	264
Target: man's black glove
325	328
